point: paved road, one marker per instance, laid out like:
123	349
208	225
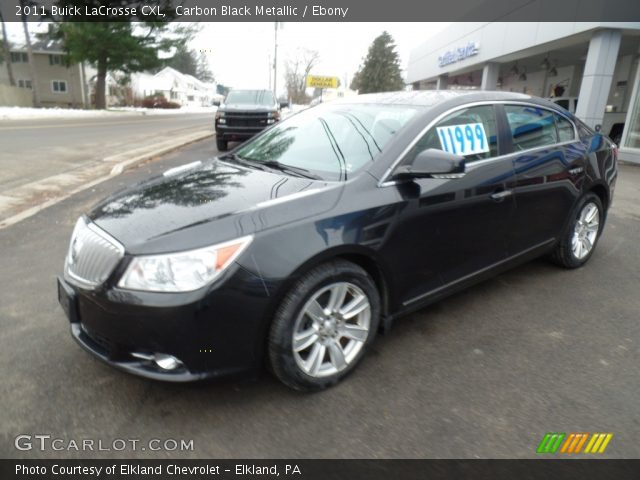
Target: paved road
482	374
36	149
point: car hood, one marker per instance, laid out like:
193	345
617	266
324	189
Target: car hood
247	107
211	202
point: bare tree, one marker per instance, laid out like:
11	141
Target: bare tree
7	52
296	71
32	67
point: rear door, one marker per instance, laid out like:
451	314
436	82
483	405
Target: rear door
548	160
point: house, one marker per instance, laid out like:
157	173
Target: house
59	85
74	85
174	86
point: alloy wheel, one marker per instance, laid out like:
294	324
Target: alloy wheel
585	230
331	329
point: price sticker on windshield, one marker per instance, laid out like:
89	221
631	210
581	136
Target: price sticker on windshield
466	139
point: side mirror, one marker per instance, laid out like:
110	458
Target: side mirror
432	162
284	104
216	103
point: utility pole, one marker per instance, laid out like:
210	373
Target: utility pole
277	25
275	60
269	67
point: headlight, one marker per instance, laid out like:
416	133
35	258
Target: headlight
182	271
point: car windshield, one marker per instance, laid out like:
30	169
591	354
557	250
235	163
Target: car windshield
251	97
328	141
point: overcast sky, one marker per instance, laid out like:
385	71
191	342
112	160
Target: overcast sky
239	53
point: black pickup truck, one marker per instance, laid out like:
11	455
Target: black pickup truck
243	114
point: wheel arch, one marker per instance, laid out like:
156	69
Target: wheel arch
364	257
361	256
602	192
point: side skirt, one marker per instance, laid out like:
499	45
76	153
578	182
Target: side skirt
416	303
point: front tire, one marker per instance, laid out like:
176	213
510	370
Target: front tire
580	238
323	326
222	145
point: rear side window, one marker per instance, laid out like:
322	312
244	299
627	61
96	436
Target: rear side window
531	126
566	132
584	130
470	132
563	103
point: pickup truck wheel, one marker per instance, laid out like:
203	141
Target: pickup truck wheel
221	144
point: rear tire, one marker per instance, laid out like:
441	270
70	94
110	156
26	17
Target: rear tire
222	145
581	235
323	326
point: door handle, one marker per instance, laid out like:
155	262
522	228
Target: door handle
501	195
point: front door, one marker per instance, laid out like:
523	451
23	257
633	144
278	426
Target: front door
455	226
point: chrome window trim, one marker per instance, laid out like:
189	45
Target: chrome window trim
383	182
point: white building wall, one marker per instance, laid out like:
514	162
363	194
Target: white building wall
498	39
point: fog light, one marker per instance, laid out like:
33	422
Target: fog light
166	362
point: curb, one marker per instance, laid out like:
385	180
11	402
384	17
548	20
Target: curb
119	167
116	170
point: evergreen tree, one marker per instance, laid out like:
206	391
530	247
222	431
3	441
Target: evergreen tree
381	69
118	45
184	60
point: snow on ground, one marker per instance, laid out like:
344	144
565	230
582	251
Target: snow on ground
19	113
24	113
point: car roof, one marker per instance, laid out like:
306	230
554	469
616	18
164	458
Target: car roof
429	98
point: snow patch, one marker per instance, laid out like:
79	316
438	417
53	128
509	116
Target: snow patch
19	113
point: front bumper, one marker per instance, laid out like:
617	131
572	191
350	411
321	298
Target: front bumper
217	333
142	368
237	133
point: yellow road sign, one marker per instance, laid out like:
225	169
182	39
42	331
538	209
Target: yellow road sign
315	81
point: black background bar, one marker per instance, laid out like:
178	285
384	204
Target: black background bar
547	469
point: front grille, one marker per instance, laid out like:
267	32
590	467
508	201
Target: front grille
93	255
247	119
232	122
247	114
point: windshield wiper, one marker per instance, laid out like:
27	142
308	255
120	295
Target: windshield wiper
290	169
271	165
242	161
232	156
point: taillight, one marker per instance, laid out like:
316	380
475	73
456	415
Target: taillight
614	149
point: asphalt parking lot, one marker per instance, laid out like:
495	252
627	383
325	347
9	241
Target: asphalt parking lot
483	374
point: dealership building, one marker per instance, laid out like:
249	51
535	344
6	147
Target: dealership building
590	68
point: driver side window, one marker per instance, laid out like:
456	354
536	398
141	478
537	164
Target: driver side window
470	132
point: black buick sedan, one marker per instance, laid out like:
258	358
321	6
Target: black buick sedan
297	247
